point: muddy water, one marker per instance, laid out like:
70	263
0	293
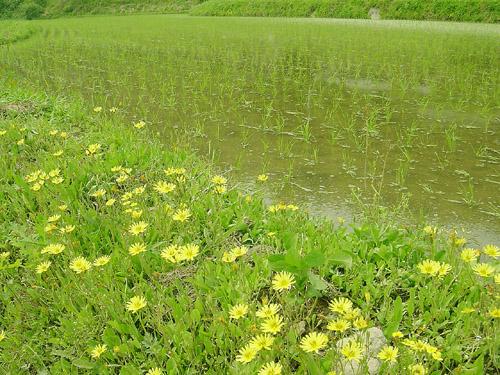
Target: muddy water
391	110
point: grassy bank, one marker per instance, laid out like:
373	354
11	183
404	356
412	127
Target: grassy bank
443	10
123	255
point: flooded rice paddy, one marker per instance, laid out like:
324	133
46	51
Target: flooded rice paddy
392	111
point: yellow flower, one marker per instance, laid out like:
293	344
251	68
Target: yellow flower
53	249
238	311
42	267
3	132
247	353
239	251
2	335
228	257
437	356
53	132
136	248
164	187
352	351
360	323
443	269
429	267
54	218
57	180
338	325
50	227
118	168
93	148
67	229
80	264
20	142
98	194
220	189
467	310
313	342
4	255
497	278
63	207
351	314
110	202
262	177
388	353
154	371
170	171
219	180
182	215
460	241
101	261
262	342
266	311
417	369
36	187
272	325
139	125
292	207
97	109
136	214
54	172
113	109
397	335
430	230
170	253
483	269
58	153
63	135
270	368
188	252
282	281
494	312
98	350
468	254
121	178
492	251
136	303
340	305
138	228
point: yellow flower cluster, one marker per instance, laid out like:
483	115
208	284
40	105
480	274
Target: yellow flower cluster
175	253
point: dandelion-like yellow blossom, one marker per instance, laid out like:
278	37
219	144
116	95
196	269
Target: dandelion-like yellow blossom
352	351
397	335
238	311
492	251
138	228
360	323
98	194
429	267
2	335
262	342
80	264
468	254
497	278
339	325
139	124
219	180
136	303
188	252
58	153
97	109
42	267
272	325
228	257
154	371
98	350
247	353
170	253
53	219
182	215
266	311
110	202
340	305
388	353
239	251
282	281
262	177
101	261
164	187
270	368
483	269
494	312
136	248
92	149
121	178
417	369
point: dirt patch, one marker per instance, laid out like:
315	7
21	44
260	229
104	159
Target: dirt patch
22	107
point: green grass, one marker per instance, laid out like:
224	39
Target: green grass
52	321
444	10
449	10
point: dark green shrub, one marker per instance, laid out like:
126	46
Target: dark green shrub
31	10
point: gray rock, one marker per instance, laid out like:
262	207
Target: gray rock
374	13
374	340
